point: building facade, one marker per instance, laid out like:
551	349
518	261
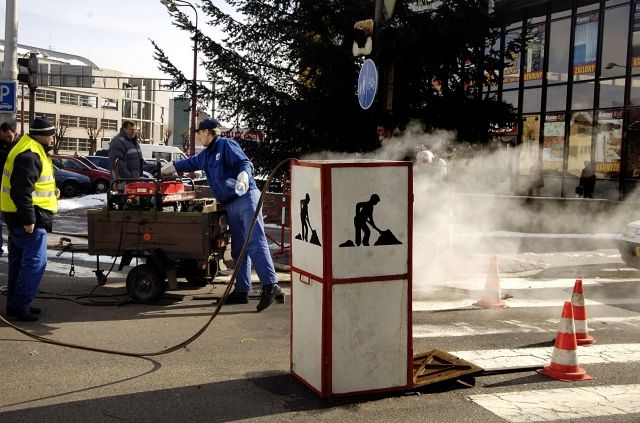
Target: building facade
88	104
575	84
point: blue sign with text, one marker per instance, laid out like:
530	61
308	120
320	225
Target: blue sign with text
367	84
8	96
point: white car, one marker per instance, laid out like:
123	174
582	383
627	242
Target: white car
629	244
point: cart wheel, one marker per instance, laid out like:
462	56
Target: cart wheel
144	283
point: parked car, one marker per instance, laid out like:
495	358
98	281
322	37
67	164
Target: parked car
103	162
629	244
100	161
99	177
71	184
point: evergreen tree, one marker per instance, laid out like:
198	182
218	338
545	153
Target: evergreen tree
287	69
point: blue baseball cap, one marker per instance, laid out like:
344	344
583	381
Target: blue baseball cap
208	124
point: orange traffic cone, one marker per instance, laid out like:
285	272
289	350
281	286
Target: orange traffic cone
492	297
564	360
580	315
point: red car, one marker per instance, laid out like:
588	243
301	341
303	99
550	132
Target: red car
99	177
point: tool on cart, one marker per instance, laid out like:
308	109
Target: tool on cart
162	222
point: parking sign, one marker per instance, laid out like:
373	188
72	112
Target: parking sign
7	96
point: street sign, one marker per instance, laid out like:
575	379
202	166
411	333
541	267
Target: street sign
367	84
7	96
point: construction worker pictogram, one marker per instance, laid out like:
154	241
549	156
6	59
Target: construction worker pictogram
492	296
564	359
580	315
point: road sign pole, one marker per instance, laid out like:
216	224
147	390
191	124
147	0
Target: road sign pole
9	70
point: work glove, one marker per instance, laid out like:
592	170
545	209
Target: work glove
168	169
242	183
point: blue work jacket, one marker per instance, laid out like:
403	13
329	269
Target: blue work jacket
222	159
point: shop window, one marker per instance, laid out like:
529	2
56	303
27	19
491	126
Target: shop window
611	93
511	73
585	46
632	144
534	55
556	98
553	143
614	41
608	142
531	100
635	48
634	92
580	131
511	97
582	97
530	147
559	51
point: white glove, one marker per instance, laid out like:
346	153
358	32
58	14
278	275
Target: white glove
168	169
242	183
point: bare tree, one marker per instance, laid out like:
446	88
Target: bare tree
93	134
166	134
184	137
61	129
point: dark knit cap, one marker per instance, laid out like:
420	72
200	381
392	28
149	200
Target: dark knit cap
41	126
208	124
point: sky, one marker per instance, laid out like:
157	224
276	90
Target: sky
113	34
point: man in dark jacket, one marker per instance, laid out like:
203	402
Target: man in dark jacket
28	202
125	156
7	141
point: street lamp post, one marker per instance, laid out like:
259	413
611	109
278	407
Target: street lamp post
172	6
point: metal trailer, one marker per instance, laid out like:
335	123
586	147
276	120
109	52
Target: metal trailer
178	237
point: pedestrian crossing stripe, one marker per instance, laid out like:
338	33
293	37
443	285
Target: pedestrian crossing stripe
454	329
498	359
562	404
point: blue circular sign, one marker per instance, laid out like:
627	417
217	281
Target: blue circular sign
367	84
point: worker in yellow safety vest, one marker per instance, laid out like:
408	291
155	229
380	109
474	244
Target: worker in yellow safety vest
28	202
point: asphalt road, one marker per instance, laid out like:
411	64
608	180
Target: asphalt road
239	368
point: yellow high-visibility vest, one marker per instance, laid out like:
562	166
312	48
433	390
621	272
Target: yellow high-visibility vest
44	194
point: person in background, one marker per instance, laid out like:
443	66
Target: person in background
7	141
28	202
125	156
230	176
587	180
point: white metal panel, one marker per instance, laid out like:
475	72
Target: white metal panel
307	254
306	330
369	336
351	186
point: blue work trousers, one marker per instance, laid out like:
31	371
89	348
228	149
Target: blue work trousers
239	215
27	262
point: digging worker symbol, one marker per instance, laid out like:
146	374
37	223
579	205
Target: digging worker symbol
304	217
363	218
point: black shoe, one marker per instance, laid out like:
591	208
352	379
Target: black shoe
269	294
23	315
14	312
236	297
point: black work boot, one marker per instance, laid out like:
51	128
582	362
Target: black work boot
268	295
22	315
11	311
236	297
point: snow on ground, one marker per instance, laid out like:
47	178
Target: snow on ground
85	202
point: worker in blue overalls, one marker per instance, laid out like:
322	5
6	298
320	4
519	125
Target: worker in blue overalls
230	176
28	202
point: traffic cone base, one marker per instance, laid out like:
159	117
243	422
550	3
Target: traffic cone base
486	304
585	339
578	374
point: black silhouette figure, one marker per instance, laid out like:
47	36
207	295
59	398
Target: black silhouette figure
306	223
304	217
364	218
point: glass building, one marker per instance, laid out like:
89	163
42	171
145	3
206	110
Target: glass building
576	86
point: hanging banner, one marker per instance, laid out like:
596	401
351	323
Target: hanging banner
534	55
635	47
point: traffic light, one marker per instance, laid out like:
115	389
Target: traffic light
28	73
362	37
